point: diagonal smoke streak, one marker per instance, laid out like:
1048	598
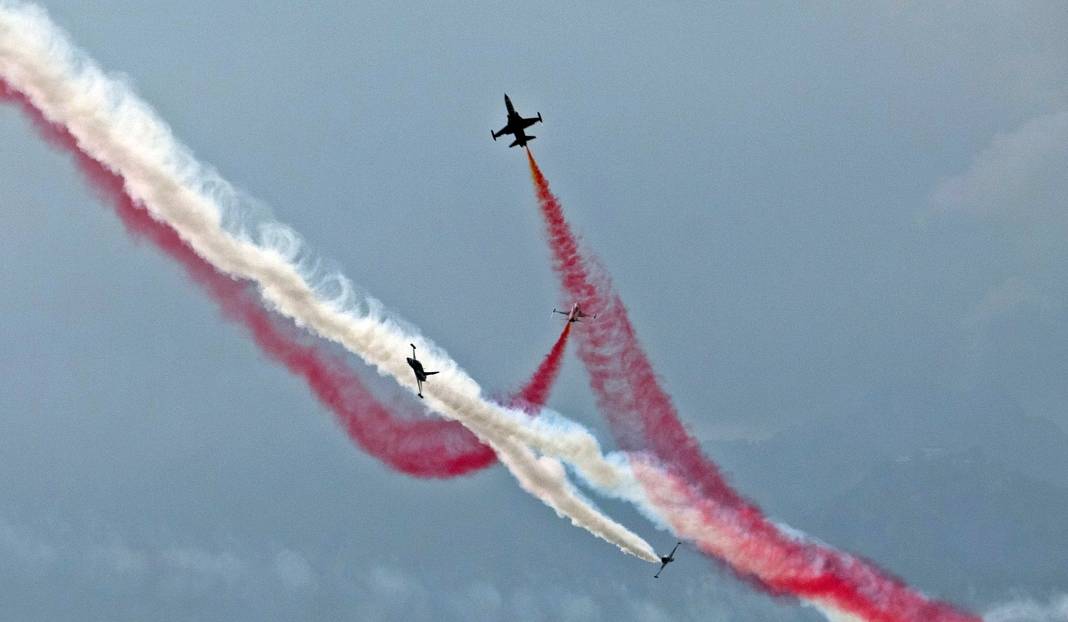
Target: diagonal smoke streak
417	446
413	445
686	489
111	125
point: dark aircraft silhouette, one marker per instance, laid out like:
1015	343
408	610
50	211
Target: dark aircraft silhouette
417	367
516	125
664	561
575	315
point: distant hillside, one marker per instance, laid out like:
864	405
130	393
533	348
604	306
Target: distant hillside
813	463
960	524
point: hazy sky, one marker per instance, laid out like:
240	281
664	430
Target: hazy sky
801	205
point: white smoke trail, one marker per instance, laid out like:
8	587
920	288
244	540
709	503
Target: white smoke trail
1029	610
116	128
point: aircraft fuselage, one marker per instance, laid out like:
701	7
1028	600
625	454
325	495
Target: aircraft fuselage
515	125
417	367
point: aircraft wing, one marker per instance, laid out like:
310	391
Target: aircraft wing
502	132
530	121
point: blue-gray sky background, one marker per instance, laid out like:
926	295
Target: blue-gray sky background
816	213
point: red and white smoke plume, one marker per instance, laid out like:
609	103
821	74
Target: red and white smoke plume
415	445
112	126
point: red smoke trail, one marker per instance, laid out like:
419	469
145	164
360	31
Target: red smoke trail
643	418
535	393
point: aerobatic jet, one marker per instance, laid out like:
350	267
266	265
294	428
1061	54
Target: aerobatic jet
417	367
516	125
664	561
575	315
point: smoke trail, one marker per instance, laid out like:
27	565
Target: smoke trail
535	392
1029	610
115	128
420	447
686	489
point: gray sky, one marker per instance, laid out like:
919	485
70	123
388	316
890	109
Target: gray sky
801	206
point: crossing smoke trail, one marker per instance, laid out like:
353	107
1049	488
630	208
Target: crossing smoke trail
420	447
692	495
122	133
111	125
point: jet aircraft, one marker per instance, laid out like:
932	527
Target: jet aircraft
515	126
664	561
575	315
417	367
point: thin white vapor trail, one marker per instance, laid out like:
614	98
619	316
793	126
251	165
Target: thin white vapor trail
1030	610
112	125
